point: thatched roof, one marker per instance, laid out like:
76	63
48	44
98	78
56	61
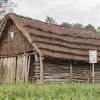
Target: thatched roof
57	41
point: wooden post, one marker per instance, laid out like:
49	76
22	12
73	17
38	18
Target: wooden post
41	70
93	73
37	69
71	72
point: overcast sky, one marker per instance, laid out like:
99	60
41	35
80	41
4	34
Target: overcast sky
81	11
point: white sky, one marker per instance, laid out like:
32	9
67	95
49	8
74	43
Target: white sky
72	11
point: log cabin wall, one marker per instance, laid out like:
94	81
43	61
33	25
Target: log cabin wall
97	72
81	72
59	71
18	44
56	70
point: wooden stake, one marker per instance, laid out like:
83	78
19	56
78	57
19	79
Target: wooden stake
71	72
93	73
41	70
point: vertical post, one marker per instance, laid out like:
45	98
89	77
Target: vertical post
71	72
93	59
41	70
37	69
93	73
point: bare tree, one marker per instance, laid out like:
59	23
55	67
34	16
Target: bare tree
6	6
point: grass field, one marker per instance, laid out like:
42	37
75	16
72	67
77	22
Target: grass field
70	91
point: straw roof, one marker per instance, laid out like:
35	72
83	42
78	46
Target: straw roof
57	41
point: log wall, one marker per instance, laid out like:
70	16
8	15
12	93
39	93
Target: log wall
56	71
81	72
64	71
97	72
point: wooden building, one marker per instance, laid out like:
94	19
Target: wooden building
31	50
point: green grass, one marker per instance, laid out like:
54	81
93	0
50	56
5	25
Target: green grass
70	91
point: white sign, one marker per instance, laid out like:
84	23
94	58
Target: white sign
12	35
92	56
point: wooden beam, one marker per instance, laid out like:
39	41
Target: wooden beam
41	70
93	73
71	72
15	55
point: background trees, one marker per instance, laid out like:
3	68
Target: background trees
77	25
50	20
74	25
90	27
66	24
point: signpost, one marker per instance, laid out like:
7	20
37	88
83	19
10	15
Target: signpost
93	60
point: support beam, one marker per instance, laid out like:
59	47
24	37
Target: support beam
37	69
41	70
93	73
71	72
